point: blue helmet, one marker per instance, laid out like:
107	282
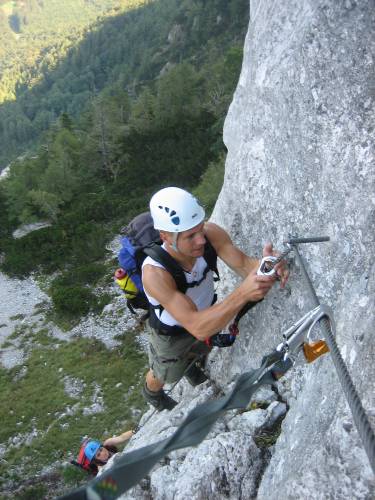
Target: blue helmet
91	448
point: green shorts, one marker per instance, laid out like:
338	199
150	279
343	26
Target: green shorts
170	356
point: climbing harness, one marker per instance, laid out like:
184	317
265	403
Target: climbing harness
131	467
233	327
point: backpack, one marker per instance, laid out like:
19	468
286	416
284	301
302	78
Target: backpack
143	240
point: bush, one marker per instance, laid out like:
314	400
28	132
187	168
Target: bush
87	242
88	274
51	248
101	301
72	475
46	247
72	300
210	185
37	491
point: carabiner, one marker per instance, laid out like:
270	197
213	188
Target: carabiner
267	266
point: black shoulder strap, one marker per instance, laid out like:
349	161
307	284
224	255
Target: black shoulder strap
157	253
210	256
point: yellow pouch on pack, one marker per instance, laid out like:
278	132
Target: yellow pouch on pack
128	286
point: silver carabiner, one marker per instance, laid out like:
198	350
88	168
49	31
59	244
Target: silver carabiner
321	311
295	336
267	266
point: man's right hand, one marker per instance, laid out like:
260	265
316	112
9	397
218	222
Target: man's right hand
256	287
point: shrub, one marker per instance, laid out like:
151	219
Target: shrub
52	247
37	491
210	184
72	300
101	302
45	247
88	274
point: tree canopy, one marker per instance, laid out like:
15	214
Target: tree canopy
137	105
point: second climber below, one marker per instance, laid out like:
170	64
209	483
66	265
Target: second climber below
184	325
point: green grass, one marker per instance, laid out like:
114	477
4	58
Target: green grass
263	405
42	337
73	294
24	334
18	332
38	400
6	344
33	493
267	437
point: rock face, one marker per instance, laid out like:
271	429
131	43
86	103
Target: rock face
300	138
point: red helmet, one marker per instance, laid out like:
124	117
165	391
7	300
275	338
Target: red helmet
86	456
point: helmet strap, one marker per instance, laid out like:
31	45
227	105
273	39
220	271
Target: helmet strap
174	242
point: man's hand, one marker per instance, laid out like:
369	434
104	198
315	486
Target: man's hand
256	287
281	269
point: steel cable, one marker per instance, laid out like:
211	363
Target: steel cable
361	421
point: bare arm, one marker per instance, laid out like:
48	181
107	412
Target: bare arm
205	323
233	257
239	262
116	440
202	324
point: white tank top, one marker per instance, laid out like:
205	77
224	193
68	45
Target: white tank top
202	295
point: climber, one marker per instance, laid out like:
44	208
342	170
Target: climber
93	454
183	326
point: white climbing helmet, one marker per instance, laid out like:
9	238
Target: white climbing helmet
175	210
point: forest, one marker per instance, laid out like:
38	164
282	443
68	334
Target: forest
138	104
37	43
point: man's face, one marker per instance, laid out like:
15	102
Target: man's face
191	242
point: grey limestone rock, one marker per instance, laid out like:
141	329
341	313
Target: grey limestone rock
300	138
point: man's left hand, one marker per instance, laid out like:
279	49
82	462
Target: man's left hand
281	269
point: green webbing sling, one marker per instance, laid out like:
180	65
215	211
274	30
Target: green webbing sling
131	467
